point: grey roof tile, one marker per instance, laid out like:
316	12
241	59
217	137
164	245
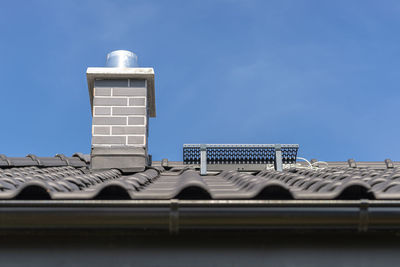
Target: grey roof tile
63	177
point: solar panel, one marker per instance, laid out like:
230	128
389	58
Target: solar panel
276	154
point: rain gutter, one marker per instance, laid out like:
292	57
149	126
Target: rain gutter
181	215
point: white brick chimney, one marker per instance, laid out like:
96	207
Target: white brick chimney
122	99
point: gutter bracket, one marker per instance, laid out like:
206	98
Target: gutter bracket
174	217
364	218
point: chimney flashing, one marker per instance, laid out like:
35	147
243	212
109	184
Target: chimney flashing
126	159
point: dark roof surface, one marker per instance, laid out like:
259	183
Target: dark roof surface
63	177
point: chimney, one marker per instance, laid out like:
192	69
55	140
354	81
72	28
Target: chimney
122	100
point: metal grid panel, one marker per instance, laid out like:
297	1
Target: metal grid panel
289	154
239	154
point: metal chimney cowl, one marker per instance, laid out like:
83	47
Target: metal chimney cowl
121	59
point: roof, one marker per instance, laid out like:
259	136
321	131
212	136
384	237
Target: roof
70	178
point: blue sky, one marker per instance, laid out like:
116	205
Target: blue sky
323	74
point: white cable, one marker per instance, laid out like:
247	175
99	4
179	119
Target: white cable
310	165
323	162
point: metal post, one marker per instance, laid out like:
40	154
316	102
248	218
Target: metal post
278	158
203	159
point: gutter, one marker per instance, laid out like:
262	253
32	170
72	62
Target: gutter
180	215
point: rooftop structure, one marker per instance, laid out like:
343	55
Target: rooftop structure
255	191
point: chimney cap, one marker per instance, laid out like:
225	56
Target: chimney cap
121	59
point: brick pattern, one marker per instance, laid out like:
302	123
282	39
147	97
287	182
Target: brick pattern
120	115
